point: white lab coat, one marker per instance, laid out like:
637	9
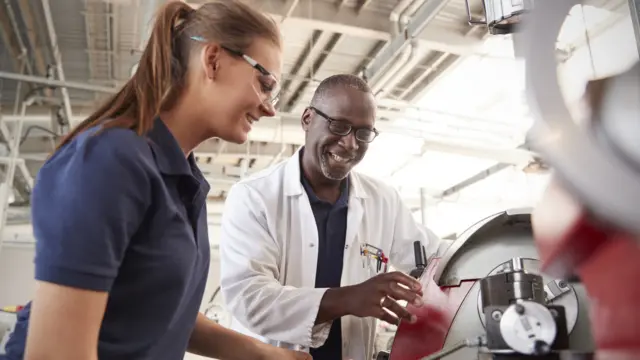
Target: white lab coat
268	254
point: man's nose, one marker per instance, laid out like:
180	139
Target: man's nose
350	142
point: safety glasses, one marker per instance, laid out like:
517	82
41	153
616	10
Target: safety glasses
269	85
344	128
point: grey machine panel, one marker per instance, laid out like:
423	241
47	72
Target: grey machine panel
485	249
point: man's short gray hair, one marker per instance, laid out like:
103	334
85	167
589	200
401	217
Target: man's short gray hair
339	80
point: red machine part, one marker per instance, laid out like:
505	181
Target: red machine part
607	261
428	334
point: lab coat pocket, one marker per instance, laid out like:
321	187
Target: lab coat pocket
373	261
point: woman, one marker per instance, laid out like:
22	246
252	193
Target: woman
119	215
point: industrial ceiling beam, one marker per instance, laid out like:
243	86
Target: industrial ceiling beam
423	16
32	37
57	83
302	62
46	6
363	5
21	46
313	69
634	7
366	23
9	42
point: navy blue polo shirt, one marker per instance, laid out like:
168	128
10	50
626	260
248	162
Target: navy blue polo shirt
331	220
124	214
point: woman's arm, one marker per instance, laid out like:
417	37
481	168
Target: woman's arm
212	340
64	323
89	200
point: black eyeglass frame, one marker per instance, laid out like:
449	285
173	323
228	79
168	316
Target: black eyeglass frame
349	126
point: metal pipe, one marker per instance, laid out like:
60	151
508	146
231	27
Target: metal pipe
384	79
22	166
396	31
16	105
14	149
436	64
634	7
57	83
406	15
57	58
423	205
394	17
402	69
107	19
16	30
290	10
423	16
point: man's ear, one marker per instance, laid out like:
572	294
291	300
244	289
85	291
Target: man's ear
305	120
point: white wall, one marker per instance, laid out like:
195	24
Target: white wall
16	275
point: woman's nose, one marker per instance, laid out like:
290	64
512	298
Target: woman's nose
268	109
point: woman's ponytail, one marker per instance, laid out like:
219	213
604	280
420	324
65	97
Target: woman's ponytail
162	68
137	104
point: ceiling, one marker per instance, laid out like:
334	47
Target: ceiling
452	111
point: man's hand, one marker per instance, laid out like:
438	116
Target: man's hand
379	295
269	352
375	297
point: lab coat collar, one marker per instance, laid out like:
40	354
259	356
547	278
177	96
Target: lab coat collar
293	187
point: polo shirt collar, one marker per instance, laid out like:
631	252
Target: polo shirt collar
167	152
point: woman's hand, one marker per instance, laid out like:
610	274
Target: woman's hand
269	352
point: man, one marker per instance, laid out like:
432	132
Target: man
292	269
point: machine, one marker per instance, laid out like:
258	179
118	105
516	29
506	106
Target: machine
522	296
495	302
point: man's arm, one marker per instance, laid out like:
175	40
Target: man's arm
302	316
334	304
250	259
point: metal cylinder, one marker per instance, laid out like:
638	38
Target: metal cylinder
507	288
517	264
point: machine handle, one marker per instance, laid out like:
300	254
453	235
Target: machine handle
419	254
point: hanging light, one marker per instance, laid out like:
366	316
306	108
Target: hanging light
501	16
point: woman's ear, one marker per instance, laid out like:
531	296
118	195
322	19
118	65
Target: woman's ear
210	60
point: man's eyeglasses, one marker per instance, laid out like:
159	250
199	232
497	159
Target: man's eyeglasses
269	85
344	128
